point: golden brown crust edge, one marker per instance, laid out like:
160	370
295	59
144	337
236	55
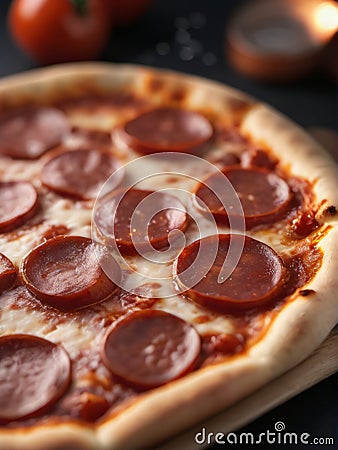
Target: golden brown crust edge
304	322
298	151
51	83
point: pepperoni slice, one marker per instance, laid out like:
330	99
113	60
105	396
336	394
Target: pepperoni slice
64	272
7	273
18	202
34	374
165	130
257	278
150	348
30	131
140	218
264	196
80	173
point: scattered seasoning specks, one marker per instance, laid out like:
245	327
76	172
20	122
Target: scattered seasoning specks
182	36
186	43
196	46
186	53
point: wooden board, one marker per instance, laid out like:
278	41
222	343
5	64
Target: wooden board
320	365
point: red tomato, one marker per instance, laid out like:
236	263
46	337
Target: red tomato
54	31
124	12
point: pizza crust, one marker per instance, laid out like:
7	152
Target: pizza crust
300	327
298	151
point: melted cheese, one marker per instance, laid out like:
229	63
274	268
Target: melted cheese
179	180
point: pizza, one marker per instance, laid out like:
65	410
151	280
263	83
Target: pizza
168	245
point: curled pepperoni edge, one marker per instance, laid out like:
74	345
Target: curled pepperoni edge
121	135
61	388
89	296
128	378
226	304
20	219
252	221
127	248
8	276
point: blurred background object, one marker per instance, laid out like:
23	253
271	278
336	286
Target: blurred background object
59	31
68	30
189	37
281	40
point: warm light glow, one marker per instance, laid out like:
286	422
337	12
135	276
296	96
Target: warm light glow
326	17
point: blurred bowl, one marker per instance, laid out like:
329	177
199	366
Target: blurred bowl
279	40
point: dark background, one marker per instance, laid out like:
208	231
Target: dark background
310	102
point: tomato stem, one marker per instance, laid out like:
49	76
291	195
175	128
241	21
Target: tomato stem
81	6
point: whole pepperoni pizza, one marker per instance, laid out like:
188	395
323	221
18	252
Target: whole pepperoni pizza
168	245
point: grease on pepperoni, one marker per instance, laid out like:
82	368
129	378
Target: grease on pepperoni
65	273
18	203
7	273
140	217
34	374
258	277
79	173
265	197
166	130
150	348
30	131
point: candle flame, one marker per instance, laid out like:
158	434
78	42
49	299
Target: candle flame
326	17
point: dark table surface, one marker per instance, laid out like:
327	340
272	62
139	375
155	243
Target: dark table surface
156	41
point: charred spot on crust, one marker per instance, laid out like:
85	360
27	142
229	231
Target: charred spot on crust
330	211
178	95
155	85
306	292
237	105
